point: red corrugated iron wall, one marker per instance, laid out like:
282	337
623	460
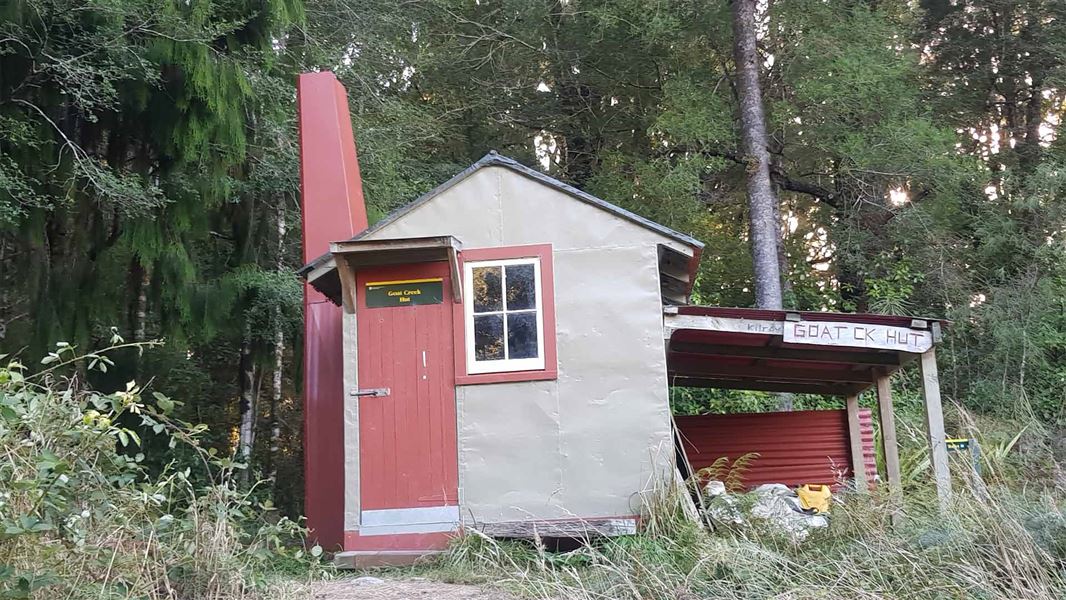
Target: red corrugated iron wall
333	209
794	447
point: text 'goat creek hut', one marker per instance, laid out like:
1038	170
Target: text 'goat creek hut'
497	354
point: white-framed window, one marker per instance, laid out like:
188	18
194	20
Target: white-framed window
504	315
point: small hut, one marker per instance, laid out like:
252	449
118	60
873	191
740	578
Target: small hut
498	353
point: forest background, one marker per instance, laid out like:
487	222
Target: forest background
149	178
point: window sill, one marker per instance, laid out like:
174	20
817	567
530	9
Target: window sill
507	377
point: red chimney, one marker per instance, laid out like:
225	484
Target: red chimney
332	192
333	210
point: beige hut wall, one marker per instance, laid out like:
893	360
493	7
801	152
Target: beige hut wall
584	445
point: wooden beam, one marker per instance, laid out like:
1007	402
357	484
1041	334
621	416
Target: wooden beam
673	321
889	445
568	528
348	286
858	335
798	387
360	260
321	270
934	427
354	255
858	463
885	359
674	264
439	242
672	283
698	365
457	280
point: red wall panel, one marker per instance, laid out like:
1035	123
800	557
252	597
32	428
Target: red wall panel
794	447
333	210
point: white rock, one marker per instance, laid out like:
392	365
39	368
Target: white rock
368	581
714	488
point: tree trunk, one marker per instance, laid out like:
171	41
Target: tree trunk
279	356
246	431
1029	150
782	257
761	197
581	148
275	400
140	314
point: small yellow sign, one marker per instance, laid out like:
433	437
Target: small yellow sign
410	292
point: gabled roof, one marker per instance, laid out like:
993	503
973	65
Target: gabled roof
492	159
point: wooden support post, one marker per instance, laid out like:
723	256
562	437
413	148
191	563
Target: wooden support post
348	287
934	427
889	445
858	464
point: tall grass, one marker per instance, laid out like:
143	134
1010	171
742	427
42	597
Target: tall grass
1011	546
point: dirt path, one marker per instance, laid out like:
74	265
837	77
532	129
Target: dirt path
374	588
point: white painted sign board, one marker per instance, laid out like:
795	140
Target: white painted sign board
857	335
675	322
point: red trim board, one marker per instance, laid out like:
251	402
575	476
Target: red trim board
547	277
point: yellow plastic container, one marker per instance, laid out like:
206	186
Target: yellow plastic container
815	496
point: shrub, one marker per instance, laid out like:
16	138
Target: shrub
82	516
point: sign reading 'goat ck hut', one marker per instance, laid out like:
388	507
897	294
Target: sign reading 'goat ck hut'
857	335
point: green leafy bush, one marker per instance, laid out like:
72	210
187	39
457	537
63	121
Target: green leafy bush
82	516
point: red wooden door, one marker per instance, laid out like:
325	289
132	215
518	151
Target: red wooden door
408	463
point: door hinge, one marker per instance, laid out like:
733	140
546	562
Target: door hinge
374	393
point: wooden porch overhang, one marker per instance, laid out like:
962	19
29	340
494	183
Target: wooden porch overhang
815	353
333	274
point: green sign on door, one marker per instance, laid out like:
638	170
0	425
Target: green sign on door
380	294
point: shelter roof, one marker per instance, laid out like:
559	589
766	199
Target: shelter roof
790	351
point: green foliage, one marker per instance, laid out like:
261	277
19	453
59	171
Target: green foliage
81	515
891	293
147	175
701	401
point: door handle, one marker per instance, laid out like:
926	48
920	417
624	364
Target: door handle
373	393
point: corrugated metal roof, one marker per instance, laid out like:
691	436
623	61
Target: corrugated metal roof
745	348
794	447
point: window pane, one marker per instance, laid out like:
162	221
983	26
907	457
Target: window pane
522	335
487	293
488	337
521	292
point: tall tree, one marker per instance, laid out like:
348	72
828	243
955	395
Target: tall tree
129	135
762	199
